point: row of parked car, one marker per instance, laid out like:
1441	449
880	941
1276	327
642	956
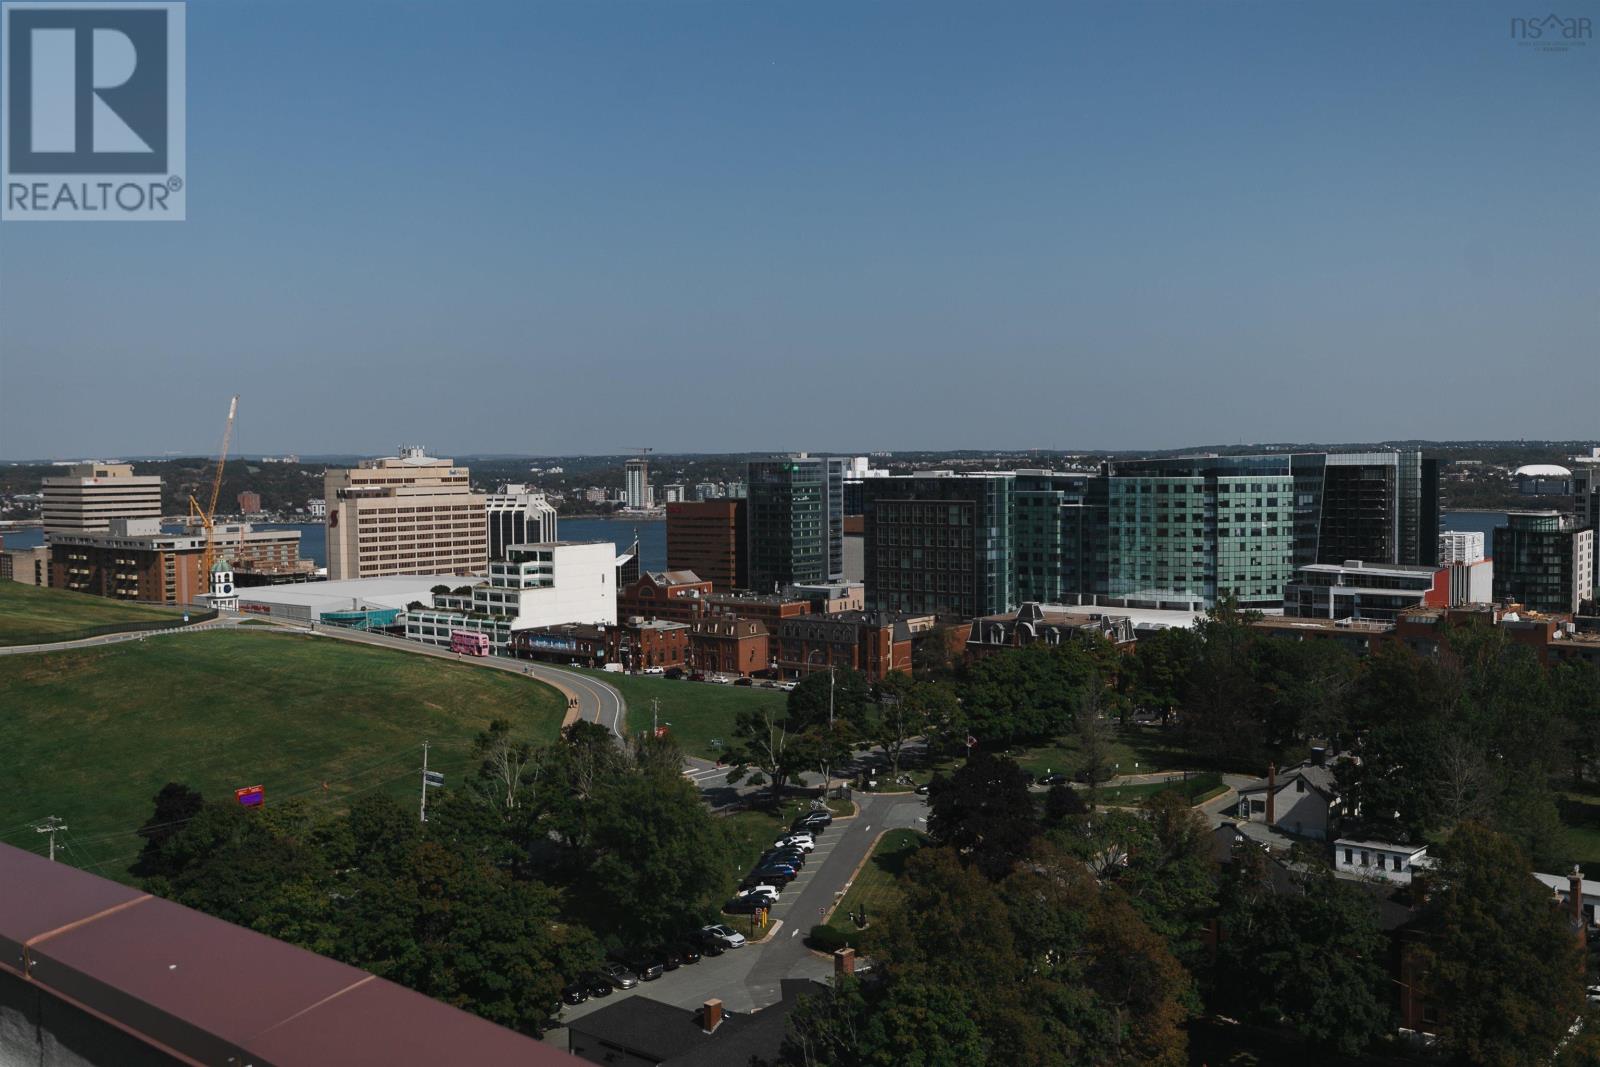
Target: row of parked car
626	970
779	865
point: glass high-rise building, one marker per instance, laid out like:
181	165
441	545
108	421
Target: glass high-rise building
794	520
940	543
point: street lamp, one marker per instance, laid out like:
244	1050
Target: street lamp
826	777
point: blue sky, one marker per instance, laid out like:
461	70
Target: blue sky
577	227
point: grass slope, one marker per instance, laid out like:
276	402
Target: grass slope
876	888
90	735
700	712
32	615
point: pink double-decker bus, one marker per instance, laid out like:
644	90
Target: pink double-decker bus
469	643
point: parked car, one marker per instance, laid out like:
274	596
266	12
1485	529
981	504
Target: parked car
749	905
697	676
688	953
599	984
619	976
760	888
803	842
726	936
921	790
775	875
654	670
1054	778
744	681
646	965
674	672
709	945
818	817
671	959
786	852
576	993
778	863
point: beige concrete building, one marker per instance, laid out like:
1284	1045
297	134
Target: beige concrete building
405	514
90	495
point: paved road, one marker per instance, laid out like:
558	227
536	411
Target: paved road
115	639
749	978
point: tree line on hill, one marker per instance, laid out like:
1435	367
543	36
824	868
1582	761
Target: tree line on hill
1031	934
549	856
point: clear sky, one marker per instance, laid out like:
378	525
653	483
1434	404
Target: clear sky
568	227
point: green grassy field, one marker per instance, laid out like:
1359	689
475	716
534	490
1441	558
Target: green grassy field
700	712
1196	790
875	888
90	735
31	615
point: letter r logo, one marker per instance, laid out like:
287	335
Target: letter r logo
86	89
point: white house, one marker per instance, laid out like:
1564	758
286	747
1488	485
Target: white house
1303	801
1386	860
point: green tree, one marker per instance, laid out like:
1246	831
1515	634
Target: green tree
1156	676
766	747
1307	953
652	865
1499	960
984	811
175	805
904	709
851	698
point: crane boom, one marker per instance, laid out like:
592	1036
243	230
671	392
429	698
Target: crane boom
207	517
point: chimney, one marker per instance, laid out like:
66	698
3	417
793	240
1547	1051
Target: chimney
844	961
711	1016
1575	901
1272	791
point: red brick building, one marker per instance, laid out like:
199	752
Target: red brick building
679	596
877	643
639	644
249	502
770	609
729	645
708	537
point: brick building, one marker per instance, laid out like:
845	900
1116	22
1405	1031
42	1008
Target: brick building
878	643
708	538
249	502
136	561
679	596
768	608
639	644
729	645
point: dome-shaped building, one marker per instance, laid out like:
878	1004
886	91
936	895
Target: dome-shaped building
1543	479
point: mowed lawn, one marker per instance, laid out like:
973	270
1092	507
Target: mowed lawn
90	735
31	615
876	887
700	712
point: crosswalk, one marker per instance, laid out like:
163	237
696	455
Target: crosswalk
703	775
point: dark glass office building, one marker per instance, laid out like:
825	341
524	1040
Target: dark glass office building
795	521
940	543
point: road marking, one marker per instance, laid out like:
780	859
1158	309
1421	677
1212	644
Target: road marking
795	934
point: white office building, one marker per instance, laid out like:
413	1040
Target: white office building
547	584
1460	546
636	490
518	515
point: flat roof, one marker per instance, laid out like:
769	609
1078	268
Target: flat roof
395	591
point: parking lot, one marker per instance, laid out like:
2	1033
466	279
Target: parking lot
748	978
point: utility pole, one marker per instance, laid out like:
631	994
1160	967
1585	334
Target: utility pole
422	812
827	766
50	826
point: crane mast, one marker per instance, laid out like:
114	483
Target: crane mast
207	517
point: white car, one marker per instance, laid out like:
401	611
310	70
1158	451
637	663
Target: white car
726	936
764	890
803	843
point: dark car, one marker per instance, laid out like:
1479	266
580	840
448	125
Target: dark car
1056	778
810	818
647	966
789	870
749	905
688	953
697	676
744	681
599	985
921	790
779	876
576	993
784	855
671	959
